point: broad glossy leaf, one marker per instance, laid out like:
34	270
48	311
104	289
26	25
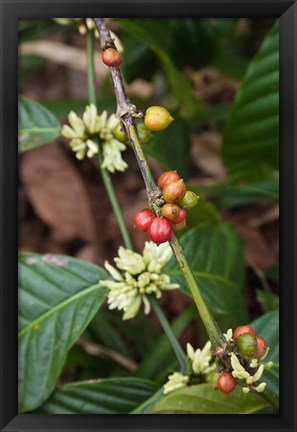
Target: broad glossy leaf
37	125
229	195
215	255
171	147
58	296
106	396
251	135
267	326
180	86
203	399
160	356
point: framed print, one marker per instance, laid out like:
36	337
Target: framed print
148	235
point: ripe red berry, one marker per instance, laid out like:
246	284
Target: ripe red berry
181	217
261	347
160	230
174	191
111	57
167	177
170	211
143	218
226	382
243	329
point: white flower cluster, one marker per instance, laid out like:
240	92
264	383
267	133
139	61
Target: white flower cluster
83	133
200	359
241	373
175	381
200	364
142	276
83	24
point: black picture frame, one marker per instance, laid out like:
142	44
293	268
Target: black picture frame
11	10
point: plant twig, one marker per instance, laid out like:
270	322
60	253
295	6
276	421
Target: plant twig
104	173
125	111
117	210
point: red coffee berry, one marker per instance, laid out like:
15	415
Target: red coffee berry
111	57
241	330
174	191
143	218
170	211
160	230
260	348
167	177
226	382
181	217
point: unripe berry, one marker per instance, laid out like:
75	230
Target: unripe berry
241	330
181	217
167	177
157	118
120	132
160	230
180	226
143	132
226	382
247	344
143	218
189	200
261	347
170	211
111	57
174	191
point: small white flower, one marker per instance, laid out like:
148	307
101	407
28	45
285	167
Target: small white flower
128	290
268	365
200	359
260	388
82	24
175	381
246	390
84	132
228	335
238	370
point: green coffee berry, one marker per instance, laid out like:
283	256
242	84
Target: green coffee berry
120	133
143	132
189	200
247	344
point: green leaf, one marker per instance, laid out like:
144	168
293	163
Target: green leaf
37	125
180	86
216	257
236	195
267	326
58	296
250	140
161	354
268	300
106	396
171	147
203	399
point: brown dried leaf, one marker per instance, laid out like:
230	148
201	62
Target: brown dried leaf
57	193
256	249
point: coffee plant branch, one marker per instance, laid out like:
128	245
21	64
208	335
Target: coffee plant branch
127	111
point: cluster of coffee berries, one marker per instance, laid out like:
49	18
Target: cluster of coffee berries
173	212
111	57
143	132
251	348
248	343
